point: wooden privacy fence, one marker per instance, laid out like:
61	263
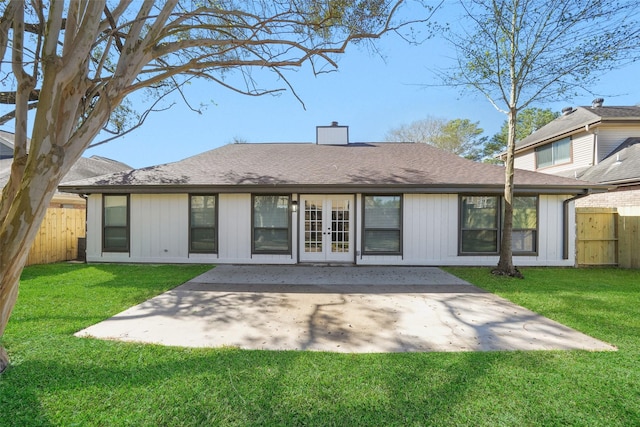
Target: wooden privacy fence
608	236
57	238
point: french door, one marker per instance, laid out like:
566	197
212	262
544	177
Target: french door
326	224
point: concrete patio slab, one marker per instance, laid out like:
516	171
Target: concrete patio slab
339	309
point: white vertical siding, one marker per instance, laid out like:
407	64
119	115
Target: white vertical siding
234	224
234	233
159	227
431	229
550	227
160	223
94	227
609	139
436	218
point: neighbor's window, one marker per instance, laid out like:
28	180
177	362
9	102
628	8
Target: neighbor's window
479	219
479	224
554	154
271	224
382	225
524	236
202	224
115	220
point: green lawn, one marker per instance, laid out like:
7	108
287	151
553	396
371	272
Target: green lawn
57	379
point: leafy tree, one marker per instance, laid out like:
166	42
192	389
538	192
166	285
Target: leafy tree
515	52
461	137
458	136
424	130
76	61
529	120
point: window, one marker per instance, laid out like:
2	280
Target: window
480	217
524	236
271	224
554	154
202	224
382	225
479	226
115	223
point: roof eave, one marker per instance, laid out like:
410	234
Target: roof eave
336	188
582	128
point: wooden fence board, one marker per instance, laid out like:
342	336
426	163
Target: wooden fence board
597	236
629	241
608	236
57	238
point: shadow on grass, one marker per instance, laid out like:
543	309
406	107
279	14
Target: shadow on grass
126	384
59	380
150	386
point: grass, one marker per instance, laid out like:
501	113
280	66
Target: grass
57	379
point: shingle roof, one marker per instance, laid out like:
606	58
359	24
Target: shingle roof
6	144
621	166
87	167
578	119
83	168
295	165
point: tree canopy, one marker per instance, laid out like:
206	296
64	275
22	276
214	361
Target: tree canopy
517	52
75	62
529	120
458	136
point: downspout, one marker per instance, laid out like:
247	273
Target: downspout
565	223
86	221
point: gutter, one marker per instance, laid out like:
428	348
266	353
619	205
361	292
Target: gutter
568	133
565	222
335	188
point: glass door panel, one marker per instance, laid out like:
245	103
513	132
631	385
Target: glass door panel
339	233
313	238
327	229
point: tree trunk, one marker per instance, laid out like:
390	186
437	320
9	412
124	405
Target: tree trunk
17	233
4	359
8	295
505	263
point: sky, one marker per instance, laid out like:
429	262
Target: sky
370	93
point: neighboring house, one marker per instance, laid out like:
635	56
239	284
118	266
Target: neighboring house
85	167
6	145
598	144
329	202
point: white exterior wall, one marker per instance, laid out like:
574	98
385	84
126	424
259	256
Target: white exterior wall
526	160
160	226
430	234
583	145
94	228
234	233
159	231
581	156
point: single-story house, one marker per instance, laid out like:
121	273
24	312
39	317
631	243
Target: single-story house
328	202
